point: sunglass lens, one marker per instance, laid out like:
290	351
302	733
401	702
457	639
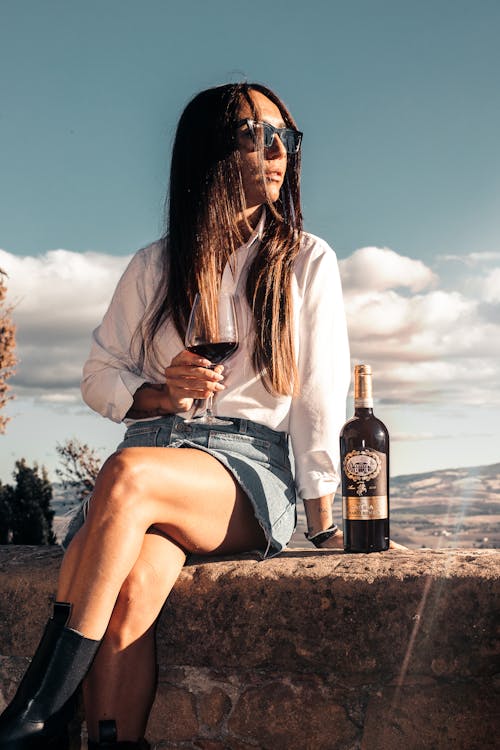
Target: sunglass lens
264	133
269	132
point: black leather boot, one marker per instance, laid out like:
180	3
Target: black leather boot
108	739
37	716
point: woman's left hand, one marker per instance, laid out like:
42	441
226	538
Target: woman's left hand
335	542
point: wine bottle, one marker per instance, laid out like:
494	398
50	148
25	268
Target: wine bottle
364	456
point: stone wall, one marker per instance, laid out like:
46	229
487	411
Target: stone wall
308	651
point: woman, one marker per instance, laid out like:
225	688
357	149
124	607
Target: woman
173	488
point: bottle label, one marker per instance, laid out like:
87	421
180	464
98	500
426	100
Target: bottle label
363	465
368	508
365	485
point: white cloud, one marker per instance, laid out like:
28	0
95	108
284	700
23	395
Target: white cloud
388	314
471	259
60	398
491	286
61	289
432	346
427	344
58	298
381	268
410	437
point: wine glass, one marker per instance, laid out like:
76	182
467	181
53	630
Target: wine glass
213	336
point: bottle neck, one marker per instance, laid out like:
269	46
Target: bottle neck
363	396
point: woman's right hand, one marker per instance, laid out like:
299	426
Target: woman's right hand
188	377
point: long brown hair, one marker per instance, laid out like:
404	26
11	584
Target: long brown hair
205	198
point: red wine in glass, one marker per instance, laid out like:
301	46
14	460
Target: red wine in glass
212	333
217	353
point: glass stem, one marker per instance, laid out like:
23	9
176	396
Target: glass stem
209	402
208	409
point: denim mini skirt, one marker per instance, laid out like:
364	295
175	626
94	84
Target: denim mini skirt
257	457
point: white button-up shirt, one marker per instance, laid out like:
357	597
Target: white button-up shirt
313	418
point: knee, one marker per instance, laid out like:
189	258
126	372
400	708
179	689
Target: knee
118	485
136	606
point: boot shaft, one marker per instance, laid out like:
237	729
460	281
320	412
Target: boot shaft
60	663
45	701
38	665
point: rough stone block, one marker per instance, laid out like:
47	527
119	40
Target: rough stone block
365	614
213	707
12	669
283	715
173	715
312	649
231	745
444	716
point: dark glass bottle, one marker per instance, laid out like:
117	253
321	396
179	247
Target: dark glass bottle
364	457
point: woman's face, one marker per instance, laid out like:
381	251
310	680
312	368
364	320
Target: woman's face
262	176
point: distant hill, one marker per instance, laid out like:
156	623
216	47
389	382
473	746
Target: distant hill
450	508
457	508
479	482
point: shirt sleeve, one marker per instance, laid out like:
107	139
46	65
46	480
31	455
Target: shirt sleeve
110	376
318	412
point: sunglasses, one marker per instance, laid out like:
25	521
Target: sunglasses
263	135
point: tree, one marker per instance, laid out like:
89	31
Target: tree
5	515
29	505
7	348
80	467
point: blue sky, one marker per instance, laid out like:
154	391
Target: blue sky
400	106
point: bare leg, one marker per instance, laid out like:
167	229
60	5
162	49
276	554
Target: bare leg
186	492
121	684
189	495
